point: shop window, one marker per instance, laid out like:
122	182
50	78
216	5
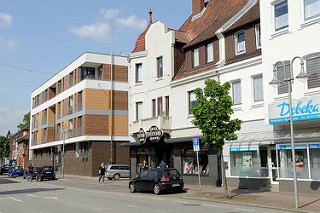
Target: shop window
142	155
285	162
314	161
244	163
189	161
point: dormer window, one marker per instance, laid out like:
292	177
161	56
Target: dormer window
195	57
210	52
240	43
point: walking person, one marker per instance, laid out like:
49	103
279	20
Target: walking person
30	172
101	172
163	164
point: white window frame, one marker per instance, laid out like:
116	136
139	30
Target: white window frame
274	3
315	89
196	58
312	20
138	111
232	92
258	35
138	73
209	52
253	88
236	40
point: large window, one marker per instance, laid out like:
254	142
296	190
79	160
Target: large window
281	15
87	72
138	73
195	57
80	101
160	67
210	52
311	9
236	92
258	88
314	151
240	43
313	69
189	161
159	106
71	79
192	100
138	110
80	126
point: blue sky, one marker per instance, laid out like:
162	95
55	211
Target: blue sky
38	38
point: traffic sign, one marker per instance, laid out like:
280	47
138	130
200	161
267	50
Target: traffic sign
196	146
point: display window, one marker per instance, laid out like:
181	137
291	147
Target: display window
314	152
189	161
141	157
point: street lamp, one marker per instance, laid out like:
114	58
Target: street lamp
275	81
64	130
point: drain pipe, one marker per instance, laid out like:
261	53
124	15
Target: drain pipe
111	106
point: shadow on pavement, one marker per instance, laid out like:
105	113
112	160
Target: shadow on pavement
22	191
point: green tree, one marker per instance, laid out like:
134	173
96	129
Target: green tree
212	116
25	121
4	148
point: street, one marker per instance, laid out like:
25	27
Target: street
17	195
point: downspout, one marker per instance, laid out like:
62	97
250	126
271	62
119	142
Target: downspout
111	106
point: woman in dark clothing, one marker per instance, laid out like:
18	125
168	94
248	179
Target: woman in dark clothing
101	172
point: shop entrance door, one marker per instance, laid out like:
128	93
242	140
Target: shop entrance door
273	168
164	153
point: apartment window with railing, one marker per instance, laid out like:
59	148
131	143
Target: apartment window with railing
87	73
71	79
70	105
79	101
70	128
59	87
80	126
45	118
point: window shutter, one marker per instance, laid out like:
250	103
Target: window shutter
313	69
283	88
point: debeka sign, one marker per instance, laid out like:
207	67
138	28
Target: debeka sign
302	109
154	134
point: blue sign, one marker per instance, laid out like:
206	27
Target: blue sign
304	109
196	146
314	146
244	148
281	147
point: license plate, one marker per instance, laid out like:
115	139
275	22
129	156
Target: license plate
48	172
175	185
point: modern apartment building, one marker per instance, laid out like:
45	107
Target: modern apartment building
79	117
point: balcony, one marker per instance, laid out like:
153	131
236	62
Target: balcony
162	122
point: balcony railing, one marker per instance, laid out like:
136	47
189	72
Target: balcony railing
162	122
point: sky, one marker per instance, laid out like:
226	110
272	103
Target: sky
38	38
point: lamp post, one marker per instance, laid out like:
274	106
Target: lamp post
275	81
64	130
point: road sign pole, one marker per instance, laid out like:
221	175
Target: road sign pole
198	170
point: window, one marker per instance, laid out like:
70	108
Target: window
236	92
138	110
192	101
314	161
258	36
195	57
167	105
154	110
283	88
45	135
70	128
210	52
77	153
59	110
138	73
59	87
79	101
160	67
159	106
87	72
257	88
313	69
281	15
240	43
71	79
70	105
86	149
80	126
45	116
311	9
58	131
46	95
189	161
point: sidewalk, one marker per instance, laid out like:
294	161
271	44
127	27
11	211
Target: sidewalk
269	199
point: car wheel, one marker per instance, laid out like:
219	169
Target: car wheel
132	188
156	189
109	178
116	176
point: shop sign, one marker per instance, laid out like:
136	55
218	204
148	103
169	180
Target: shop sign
314	146
302	109
154	134
243	148
282	147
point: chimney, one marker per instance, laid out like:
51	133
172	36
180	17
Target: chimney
197	6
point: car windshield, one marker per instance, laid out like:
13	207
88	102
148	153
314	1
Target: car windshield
47	168
171	173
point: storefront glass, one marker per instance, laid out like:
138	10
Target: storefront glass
314	151
141	156
189	161
285	161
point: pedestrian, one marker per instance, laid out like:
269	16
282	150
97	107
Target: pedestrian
163	164
101	172
144	166
30	172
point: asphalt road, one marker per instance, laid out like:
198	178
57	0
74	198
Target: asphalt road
19	195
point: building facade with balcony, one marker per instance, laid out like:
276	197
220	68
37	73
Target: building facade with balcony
220	40
83	112
290	28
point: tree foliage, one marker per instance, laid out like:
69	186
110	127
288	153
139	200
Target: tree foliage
213	113
4	148
25	121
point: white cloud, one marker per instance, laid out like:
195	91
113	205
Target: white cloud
7	43
98	32
109	13
132	22
10	119
5	20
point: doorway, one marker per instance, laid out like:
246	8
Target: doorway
273	165
164	153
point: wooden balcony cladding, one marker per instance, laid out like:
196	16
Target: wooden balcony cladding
120	73
51	115
51	134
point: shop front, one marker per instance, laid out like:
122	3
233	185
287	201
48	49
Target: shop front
155	145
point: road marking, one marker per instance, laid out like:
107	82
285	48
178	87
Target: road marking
179	201
15	199
209	205
54	198
245	210
32	195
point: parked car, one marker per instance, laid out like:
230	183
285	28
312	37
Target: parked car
45	172
34	173
4	169
15	170
117	171
157	180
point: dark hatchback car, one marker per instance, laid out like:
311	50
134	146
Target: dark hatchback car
157	180
4	169
45	172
